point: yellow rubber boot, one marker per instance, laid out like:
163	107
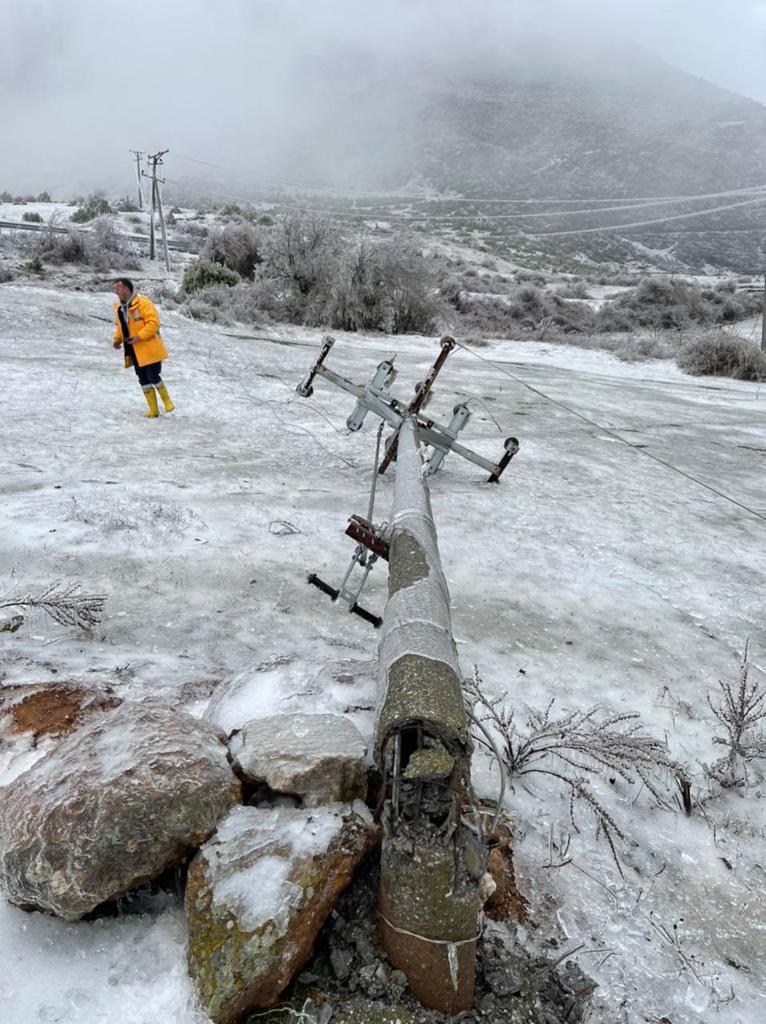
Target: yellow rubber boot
151	400
162	391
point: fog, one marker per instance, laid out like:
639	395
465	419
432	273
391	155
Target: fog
269	86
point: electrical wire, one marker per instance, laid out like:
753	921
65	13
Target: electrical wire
479	199
614	435
648	223
591	211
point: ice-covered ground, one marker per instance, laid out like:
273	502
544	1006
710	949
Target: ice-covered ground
592	574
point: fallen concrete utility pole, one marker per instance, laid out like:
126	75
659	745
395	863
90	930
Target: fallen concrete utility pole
433	857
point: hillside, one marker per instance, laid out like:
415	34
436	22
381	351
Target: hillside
602	126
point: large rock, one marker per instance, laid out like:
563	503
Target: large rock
51	709
317	757
111	807
259	892
35	717
285	686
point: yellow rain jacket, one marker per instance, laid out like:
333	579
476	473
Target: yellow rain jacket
144	327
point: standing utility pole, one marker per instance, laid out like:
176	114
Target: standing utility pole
155	161
138	156
763	317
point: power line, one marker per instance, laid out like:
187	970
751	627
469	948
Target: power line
648	200
613	434
590	211
647	223
360	215
408	220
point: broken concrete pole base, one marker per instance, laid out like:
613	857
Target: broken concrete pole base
259	892
319	758
429	919
130	793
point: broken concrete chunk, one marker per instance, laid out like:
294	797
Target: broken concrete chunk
259	892
317	757
127	795
429	763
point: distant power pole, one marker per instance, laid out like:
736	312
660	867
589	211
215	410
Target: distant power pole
763	316
155	160
138	156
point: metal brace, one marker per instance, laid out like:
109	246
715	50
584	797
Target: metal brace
372	544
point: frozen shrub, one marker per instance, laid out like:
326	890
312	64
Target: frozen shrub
610	319
31	217
571	317
573	748
61	602
358	300
196	309
635	348
674	304
44	197
222	304
301	252
6	197
162	292
5	275
105	236
530	277
236	246
741	710
93	206
488	315
722	355
96	247
202	273
411	291
69	248
528	305
573	290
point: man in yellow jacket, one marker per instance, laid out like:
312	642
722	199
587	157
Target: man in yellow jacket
137	330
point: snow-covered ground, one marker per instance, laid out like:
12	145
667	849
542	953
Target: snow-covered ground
591	573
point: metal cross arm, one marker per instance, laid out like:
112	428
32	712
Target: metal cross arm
375	397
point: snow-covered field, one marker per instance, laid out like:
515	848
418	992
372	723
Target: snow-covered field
591	573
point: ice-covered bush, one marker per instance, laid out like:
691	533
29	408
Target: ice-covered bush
411	293
719	354
573	290
236	246
301	252
675	303
203	273
91	207
741	710
573	748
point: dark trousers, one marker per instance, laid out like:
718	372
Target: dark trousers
147	375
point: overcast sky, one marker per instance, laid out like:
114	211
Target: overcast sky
82	81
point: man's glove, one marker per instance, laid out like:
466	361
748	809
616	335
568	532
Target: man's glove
117	344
